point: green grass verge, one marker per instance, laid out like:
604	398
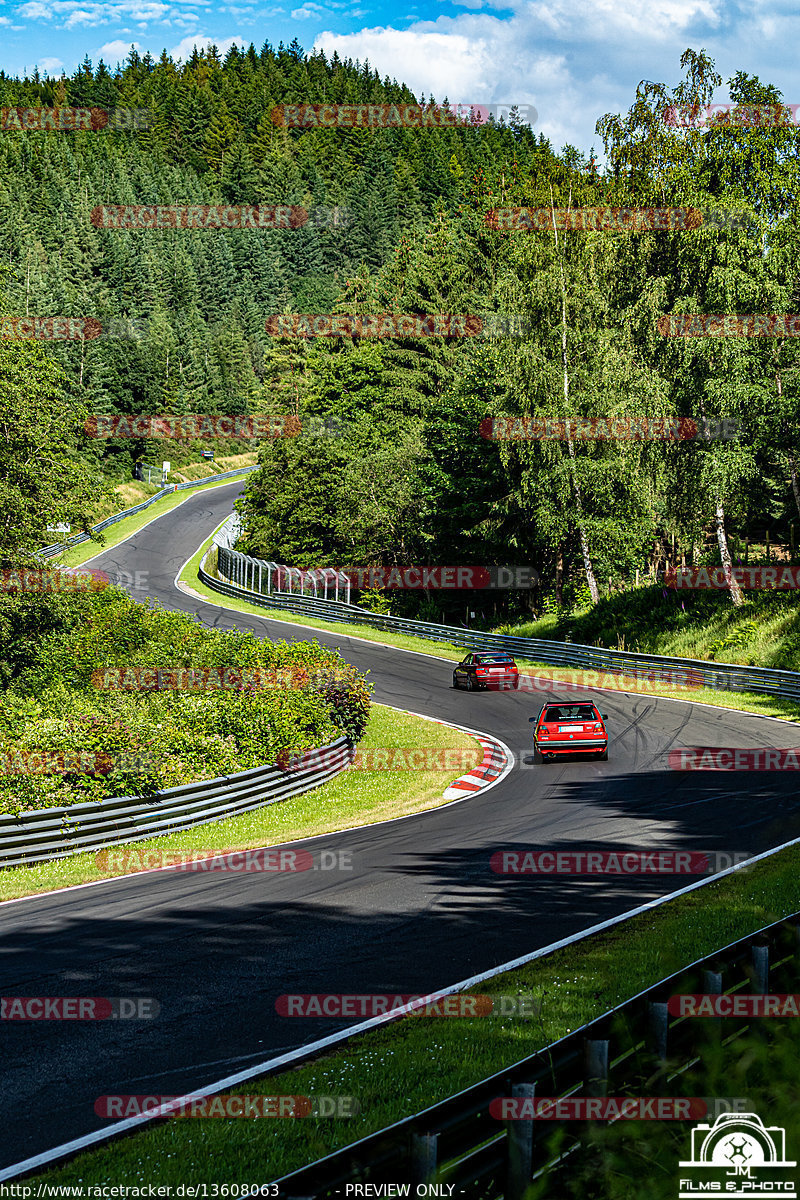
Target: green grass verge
763	632
389	1071
355	797
115	534
768	706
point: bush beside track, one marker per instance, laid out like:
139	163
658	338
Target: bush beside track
54	643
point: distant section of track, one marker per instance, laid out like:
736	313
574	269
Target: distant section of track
420	909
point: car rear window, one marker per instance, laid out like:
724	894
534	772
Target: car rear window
500	660
571	712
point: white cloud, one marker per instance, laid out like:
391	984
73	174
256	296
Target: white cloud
118	51
184	48
50	65
572	59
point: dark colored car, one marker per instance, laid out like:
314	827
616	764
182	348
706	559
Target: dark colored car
485	671
570	728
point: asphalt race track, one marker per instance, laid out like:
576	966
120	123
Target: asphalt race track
420	909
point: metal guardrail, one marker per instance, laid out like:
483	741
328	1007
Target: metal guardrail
78	538
684	672
44	834
634	1049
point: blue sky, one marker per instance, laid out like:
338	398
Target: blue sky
572	59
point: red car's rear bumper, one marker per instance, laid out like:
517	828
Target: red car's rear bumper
584	746
506	679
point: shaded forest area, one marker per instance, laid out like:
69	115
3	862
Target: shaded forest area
409	478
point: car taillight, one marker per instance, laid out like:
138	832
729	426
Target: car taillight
481	670
598	727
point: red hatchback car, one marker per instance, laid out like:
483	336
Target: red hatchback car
570	729
486	670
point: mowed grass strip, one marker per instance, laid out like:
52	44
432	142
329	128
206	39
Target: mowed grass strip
76	555
418	1060
355	797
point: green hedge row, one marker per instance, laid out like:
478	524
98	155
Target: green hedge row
89	705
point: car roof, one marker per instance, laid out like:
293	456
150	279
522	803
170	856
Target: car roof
569	704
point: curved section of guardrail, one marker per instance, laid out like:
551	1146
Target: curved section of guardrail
44	834
78	538
683	672
465	1138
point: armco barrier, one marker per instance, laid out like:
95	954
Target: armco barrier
44	834
78	538
689	671
634	1049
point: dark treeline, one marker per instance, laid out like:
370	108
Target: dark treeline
411	479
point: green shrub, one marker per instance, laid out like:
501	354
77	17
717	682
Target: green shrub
142	739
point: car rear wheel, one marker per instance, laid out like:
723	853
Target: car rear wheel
603	756
470	684
455	681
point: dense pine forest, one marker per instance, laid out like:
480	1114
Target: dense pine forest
398	224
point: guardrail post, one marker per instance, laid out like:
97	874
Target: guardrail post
760	971
712	986
519	1137
657	1030
595	1058
424	1155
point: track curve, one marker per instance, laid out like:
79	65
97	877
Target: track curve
420	910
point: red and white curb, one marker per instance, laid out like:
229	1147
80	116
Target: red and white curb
493	766
498	759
